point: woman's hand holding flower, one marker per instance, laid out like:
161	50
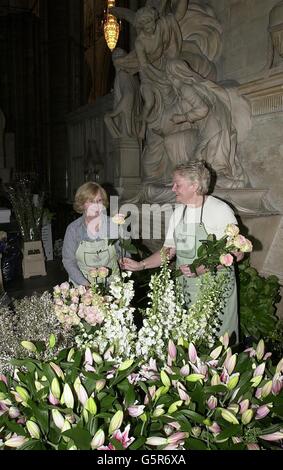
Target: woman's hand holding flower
130	265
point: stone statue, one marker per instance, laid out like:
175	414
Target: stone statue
185	114
123	121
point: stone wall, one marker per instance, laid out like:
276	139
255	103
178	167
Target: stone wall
246	43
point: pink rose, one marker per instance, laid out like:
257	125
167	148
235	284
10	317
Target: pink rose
226	260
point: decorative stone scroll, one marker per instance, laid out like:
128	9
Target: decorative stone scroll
264	94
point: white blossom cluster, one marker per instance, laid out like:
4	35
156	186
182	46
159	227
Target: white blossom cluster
168	318
117	332
202	321
163	317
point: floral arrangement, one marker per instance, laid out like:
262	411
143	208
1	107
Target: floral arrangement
26	328
28	209
215	253
167	316
103	319
81	401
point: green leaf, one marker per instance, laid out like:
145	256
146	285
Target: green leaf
117	444
196	417
33	444
41	415
137	444
81	437
234	430
195	444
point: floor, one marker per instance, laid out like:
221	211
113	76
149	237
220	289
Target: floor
20	288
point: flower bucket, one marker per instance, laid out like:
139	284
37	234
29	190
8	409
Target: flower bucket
33	259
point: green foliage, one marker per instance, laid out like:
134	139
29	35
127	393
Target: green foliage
220	401
258	298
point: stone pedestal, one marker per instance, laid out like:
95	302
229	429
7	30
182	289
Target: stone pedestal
128	168
33	259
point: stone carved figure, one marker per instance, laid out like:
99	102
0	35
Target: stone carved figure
185	115
276	32
123	121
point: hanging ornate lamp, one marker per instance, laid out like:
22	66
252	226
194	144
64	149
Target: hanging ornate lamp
111	27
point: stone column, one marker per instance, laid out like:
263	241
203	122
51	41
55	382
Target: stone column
128	168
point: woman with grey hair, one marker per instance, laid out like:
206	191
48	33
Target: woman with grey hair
197	214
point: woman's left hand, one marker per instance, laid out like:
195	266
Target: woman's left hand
201	270
186	271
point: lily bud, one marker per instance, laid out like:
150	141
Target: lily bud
195	377
125	365
256	380
66	427
262	411
215	380
216	352
244	405
177	437
212	402
116	422
165	379
15	441
230	363
172	351
174	406
99	385
274	436
29	346
97	358
225	340
247	416
159	411
98	439
233	381
38	385
33	429
228	416
266	389
252	446
14	412
22	392
260	350
279	367
68	396
82	394
91	406
192	353
55	388
185	370
88	357
135	410
58	418
156	441
234	407
259	371
58	371
70	355
277	384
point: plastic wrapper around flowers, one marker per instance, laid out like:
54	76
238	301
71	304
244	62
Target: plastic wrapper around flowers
12	258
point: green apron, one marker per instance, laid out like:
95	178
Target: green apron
188	238
94	254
